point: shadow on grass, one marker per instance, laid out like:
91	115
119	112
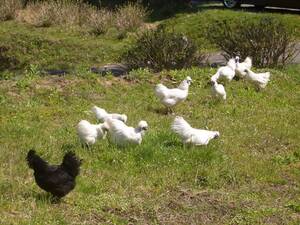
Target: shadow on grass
161	14
47	198
7	62
43	197
158	110
201	7
172	143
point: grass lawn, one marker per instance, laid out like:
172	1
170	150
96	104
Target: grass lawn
55	47
250	175
195	24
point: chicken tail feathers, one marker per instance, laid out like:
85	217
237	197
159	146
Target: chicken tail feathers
248	61
34	161
71	163
108	124
267	76
215	77
100	113
160	90
181	127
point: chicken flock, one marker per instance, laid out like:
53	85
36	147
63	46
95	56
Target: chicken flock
59	180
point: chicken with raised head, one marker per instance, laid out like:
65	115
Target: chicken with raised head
121	134
58	180
241	67
102	115
89	133
225	72
170	97
260	80
190	135
218	90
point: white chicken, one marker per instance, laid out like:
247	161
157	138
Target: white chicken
88	133
260	80
171	97
227	72
102	115
218	90
191	135
241	67
122	135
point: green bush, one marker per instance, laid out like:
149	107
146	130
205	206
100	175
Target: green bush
160	49
268	39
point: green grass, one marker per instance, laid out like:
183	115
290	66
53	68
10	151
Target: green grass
250	175
56	47
195	25
234	180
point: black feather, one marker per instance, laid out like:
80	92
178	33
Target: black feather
71	164
59	180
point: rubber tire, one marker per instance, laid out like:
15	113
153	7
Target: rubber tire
237	4
260	7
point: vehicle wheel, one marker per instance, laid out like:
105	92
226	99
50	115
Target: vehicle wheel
231	3
259	6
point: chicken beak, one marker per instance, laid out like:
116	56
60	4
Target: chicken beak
217	136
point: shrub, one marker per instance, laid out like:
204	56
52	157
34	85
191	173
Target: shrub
48	13
268	40
159	8
68	12
8	9
99	21
160	49
130	16
40	14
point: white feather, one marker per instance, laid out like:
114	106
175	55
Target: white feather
218	91
225	72
121	134
88	133
102	115
241	67
191	135
260	80
171	96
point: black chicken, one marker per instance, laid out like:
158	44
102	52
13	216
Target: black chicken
59	180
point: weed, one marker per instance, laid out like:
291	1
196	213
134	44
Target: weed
31	74
294	206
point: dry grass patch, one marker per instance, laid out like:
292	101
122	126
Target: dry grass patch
44	14
98	21
40	14
130	16
8	9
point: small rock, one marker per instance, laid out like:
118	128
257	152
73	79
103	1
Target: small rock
116	69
